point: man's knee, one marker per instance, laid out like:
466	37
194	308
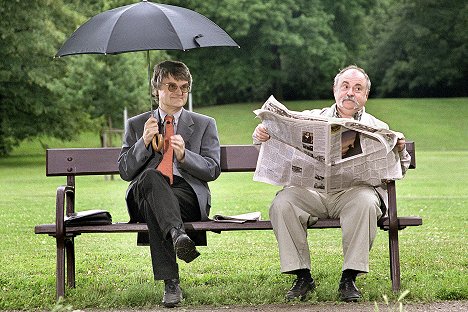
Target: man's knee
150	174
149	177
366	201
367	197
281	205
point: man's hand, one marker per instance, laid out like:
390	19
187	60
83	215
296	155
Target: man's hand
178	144
400	144
261	133
151	129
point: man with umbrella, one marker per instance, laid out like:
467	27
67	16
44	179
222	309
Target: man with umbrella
170	186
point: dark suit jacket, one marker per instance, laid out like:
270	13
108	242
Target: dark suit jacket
202	156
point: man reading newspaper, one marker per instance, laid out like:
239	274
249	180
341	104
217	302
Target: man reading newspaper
358	206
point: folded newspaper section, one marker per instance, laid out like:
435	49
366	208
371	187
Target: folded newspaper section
89	217
323	153
242	218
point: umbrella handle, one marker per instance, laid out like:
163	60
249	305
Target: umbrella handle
157	142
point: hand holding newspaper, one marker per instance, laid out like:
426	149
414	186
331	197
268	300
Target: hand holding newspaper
323	153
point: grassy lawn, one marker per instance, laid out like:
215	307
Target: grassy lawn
242	267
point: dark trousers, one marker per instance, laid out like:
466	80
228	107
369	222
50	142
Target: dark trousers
162	207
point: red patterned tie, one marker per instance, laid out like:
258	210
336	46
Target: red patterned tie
165	166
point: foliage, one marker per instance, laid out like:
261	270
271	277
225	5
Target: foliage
284	44
423	50
289	48
104	86
59	97
30	32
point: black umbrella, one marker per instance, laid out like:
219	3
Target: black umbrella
145	26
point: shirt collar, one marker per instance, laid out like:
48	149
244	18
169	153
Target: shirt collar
163	114
357	115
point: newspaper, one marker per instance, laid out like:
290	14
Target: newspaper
242	218
322	153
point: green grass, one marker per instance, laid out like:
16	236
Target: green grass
242	267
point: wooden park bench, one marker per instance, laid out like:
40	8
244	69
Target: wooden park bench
74	162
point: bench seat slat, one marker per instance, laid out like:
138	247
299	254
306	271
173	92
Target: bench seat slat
206	226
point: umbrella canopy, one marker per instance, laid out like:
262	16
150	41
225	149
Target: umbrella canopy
145	26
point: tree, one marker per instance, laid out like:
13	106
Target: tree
59	97
30	32
421	49
103	86
288	49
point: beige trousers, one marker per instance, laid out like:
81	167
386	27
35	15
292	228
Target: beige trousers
358	209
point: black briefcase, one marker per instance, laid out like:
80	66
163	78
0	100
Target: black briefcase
89	217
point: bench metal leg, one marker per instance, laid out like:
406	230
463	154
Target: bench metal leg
393	237
394	259
65	259
70	253
60	269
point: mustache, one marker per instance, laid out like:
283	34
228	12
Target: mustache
357	105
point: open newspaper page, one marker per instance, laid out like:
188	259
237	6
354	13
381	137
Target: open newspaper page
321	153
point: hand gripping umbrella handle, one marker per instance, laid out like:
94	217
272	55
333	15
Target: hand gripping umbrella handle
157	142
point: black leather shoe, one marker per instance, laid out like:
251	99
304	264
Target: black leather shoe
172	293
184	247
348	291
301	287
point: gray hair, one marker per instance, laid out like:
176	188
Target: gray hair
337	77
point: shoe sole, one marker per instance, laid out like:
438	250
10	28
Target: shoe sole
185	249
350	299
171	304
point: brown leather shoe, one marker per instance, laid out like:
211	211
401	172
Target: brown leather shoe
172	293
301	287
348	291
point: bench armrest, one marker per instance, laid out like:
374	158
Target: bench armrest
64	204
392	206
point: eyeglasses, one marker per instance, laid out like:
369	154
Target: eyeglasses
172	87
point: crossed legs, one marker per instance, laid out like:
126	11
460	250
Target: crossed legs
163	208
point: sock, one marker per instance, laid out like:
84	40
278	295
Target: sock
349	274
303	273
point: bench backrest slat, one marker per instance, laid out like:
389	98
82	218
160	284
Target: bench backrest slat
82	161
98	161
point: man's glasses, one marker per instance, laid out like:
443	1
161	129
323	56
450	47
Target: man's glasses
172	87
